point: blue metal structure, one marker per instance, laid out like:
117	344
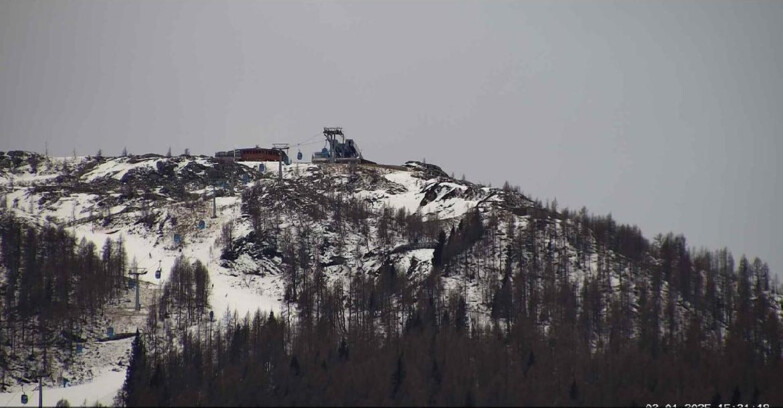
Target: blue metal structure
342	150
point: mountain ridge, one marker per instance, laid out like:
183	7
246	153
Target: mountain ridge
341	221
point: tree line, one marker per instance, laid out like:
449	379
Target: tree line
53	286
181	305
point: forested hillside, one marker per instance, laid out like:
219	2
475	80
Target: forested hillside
504	301
54	291
392	285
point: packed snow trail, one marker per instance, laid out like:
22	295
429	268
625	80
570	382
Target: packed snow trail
102	390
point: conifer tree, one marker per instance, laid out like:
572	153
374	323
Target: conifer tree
133	389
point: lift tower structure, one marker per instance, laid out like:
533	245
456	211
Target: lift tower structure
281	147
137	272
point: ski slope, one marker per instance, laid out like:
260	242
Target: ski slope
102	390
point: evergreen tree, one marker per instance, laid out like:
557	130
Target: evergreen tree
133	389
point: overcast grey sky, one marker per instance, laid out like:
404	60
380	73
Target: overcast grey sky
666	114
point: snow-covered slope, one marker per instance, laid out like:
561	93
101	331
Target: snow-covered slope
146	201
150	200
241	223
